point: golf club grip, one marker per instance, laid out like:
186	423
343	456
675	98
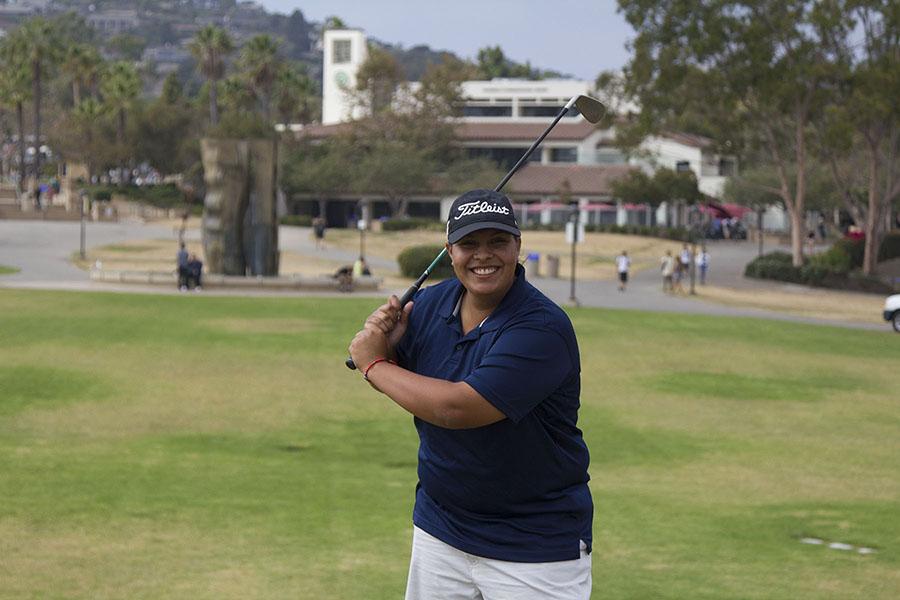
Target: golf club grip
404	300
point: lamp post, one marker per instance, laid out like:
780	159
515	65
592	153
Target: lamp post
83	204
573	236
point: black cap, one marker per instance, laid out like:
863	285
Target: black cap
480	209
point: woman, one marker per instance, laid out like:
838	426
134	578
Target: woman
490	369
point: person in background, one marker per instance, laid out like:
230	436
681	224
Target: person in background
623	263
703	263
195	272
361	267
319	231
182	260
667	266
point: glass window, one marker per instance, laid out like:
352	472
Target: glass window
564	155
340	52
545	111
487	111
726	167
682	166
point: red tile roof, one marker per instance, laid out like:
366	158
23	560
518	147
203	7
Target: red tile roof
583	180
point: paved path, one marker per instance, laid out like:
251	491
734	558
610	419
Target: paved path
42	250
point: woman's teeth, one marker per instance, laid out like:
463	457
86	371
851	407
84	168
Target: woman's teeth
484	270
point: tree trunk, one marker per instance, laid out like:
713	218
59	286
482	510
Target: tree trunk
20	118
213	103
120	138
873	218
76	92
36	72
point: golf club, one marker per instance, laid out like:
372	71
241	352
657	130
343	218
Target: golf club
590	108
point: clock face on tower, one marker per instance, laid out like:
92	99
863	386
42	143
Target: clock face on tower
341	79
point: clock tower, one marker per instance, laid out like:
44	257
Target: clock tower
345	50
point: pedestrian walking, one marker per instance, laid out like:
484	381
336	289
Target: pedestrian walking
667	266
319	231
623	264
182	262
702	263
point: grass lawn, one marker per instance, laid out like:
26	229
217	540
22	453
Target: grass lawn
202	447
4	270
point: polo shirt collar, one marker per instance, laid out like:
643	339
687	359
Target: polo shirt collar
503	311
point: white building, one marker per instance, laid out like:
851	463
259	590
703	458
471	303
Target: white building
502	117
344	51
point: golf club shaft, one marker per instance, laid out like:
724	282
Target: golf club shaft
536	143
407	296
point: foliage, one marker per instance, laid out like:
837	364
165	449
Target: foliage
210	48
242	125
377	79
415	259
890	247
165	195
260	64
409	223
831	269
296	220
666	185
493	63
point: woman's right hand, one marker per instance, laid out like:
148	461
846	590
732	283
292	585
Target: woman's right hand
391	320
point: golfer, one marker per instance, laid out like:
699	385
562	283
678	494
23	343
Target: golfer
489	367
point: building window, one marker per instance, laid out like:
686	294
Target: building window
726	167
487	111
683	166
340	52
609	155
564	155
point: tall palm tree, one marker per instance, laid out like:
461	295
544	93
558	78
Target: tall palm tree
43	50
82	64
120	88
261	64
210	48
15	91
295	95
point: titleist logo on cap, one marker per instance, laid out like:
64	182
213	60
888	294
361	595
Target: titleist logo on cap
472	208
480	209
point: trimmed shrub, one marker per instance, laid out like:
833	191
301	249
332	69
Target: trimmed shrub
411	223
296	220
854	249
415	259
774	265
890	247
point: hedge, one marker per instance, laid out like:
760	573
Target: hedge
296	220
408	223
415	259
831	269
890	247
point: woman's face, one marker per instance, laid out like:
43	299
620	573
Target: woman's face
485	262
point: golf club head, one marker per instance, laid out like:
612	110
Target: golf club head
590	108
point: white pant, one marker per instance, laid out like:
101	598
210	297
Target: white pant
438	571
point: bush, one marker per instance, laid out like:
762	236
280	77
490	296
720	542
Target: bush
415	259
296	220
890	247
775	265
854	249
830	269
408	223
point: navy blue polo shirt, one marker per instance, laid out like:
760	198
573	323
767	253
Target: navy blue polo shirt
514	490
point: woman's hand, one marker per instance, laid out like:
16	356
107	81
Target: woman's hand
381	333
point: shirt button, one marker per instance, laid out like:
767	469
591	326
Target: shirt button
459	346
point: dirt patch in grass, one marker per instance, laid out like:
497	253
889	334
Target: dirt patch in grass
806	302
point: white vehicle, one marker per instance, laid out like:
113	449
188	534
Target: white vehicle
892	311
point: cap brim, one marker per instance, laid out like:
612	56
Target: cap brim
467	229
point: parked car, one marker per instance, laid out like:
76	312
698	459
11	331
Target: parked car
892	311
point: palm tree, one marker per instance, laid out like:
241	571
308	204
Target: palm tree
82	64
210	48
120	87
43	49
15	84
295	95
261	64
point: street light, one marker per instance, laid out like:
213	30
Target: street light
574	234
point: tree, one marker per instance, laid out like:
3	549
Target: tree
120	87
261	64
296	97
210	48
377	80
15	90
41	44
755	67
665	185
493	63
82	64
84	134
862	126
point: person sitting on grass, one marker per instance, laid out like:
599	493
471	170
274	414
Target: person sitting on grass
195	272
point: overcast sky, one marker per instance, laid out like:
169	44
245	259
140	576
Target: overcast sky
579	37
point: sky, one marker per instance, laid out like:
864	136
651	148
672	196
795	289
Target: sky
577	37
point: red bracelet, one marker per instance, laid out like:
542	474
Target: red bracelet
375	362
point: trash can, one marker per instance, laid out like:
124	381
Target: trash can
551	268
531	265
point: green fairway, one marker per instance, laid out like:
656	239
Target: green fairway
4	270
201	447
